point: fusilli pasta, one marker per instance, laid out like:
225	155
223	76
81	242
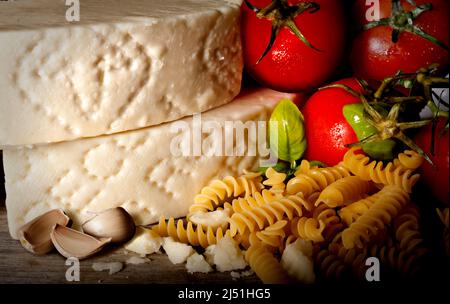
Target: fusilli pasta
218	191
353	211
273	235
257	199
316	179
406	226
266	265
391	201
361	166
275	180
409	160
344	191
189	234
309	229
265	215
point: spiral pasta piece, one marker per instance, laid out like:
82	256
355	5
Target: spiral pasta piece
265	215
309	229
392	200
273	235
396	259
330	219
315	179
265	265
409	160
361	166
330	265
353	211
218	191
344	191
304	167
353	258
189	235
406	226
275	180
247	203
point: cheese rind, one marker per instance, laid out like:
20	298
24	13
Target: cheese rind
135	170
124	66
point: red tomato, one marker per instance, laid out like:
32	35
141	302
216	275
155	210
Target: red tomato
291	65
436	177
375	56
327	130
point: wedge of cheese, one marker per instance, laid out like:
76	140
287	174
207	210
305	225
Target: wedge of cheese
125	65
138	170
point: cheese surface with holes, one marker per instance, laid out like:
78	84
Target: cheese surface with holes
135	169
125	65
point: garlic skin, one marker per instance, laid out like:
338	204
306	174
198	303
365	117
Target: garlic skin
114	223
35	235
72	243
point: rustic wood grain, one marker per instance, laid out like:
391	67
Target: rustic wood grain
19	266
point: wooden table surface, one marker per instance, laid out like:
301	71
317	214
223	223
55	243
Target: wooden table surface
19	266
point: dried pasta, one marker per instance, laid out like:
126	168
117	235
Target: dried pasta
315	179
189	235
247	203
275	180
330	265
329	217
265	215
266	265
344	191
353	211
353	258
309	229
218	191
273	235
396	259
407	229
392	200
409	160
334	208
389	174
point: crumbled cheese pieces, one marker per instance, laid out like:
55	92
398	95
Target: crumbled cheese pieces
214	219
297	261
145	241
226	255
134	260
112	267
197	263
177	252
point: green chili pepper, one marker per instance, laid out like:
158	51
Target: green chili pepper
379	150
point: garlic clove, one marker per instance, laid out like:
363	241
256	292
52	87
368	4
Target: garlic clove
72	243
35	235
114	223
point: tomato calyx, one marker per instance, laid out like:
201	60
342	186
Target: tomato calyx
281	14
389	126
403	21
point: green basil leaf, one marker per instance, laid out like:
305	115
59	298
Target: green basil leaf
287	132
279	167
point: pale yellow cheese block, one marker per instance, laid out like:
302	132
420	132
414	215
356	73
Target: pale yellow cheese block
125	65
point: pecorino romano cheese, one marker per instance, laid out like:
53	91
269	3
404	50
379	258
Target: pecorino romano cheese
137	170
125	65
